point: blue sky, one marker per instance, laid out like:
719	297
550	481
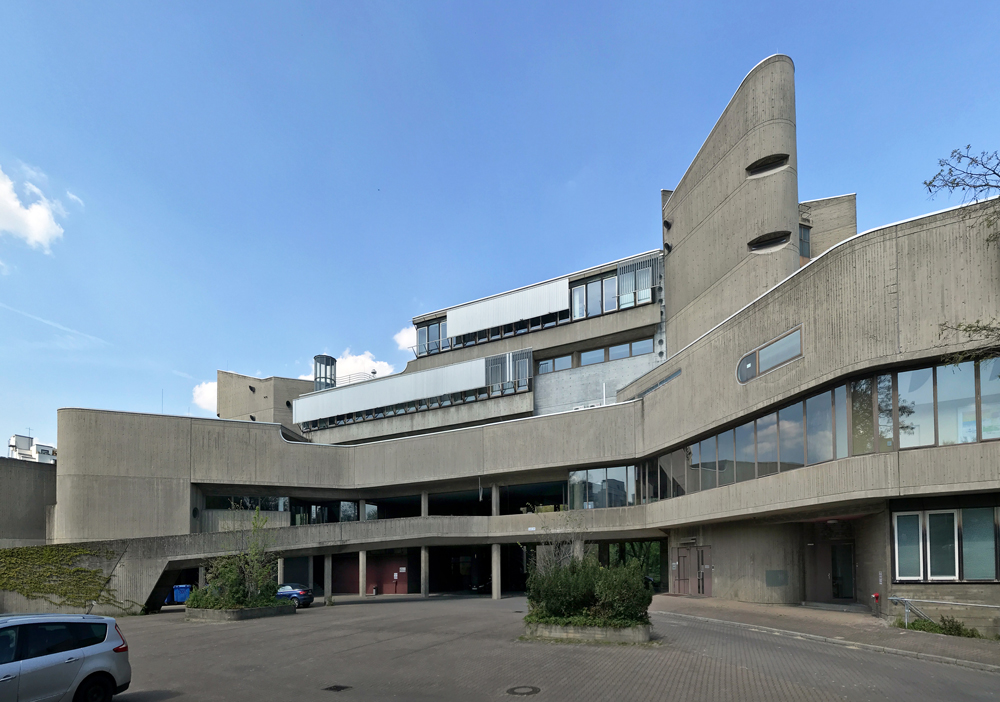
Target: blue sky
230	185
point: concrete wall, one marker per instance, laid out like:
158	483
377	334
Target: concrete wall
265	403
561	391
26	488
833	220
717	208
229	520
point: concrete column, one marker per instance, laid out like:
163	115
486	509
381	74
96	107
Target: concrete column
327	578
281	570
495	499
604	554
578	550
202	576
496	571
362	516
362	573
425	570
310	577
665	566
425	509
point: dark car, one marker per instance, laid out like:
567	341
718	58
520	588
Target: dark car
299	594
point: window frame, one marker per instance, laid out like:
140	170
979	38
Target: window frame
895	547
927	544
755	353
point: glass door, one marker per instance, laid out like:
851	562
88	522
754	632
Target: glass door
842	571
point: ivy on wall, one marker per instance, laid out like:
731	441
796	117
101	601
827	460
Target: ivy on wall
53	574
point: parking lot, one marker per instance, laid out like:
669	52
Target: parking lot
467	648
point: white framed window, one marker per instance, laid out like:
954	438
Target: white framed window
579	302
942	544
909	552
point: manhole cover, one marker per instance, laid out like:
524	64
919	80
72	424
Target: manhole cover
523	690
337	688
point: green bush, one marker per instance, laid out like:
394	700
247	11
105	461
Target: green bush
949	626
583	593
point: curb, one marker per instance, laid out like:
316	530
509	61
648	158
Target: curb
974	665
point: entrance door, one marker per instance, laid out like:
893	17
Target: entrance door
705	570
681	576
842	571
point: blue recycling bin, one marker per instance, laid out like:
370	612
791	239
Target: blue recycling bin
181	593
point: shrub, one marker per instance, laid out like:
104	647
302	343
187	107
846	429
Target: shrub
582	593
949	626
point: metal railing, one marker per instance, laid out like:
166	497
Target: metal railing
908	607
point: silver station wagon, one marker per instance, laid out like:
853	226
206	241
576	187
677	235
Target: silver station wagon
62	658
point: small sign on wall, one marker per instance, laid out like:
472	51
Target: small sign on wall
402	569
395	576
880	577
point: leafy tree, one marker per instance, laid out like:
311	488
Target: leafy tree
977	178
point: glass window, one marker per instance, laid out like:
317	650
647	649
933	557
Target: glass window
563	317
708	464
790	435
46	639
445	341
616	352
563	363
784	349
978	544
883	384
989	391
508	330
482	336
596	482
614	488
626	290
579	302
916	408
745	459
548	320
494	333
727	462
840	421
89	634
643	286
445	400
956	404
8	644
909	559
610	294
630	485
432	338
470	339
677	470
819	428
545	366
942	542
693	468
747	369
520	327
641	347
421	341
652	482
577	489
535	323
767	445
862	417
588	358
804	248
593	298
663	466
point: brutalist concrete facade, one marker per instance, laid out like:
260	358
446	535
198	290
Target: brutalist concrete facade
733	276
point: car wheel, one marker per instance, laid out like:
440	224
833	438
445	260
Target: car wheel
95	689
295	602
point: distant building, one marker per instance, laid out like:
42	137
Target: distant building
24	448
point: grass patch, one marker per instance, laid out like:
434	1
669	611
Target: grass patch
949	626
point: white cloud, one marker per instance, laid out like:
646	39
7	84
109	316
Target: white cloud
75	198
4	270
349	363
406	338
36	223
32	173
84	338
204	396
182	374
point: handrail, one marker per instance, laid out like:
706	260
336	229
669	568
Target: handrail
907	606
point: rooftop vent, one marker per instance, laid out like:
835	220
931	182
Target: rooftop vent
324	372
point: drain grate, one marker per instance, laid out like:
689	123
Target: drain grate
337	688
523	690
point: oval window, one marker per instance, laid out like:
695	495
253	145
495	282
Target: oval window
768	163
771	240
747	370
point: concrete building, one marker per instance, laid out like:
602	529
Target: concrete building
25	448
762	405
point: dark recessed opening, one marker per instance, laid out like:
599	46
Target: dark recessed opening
337	688
288	404
769	241
768	163
252	388
253	418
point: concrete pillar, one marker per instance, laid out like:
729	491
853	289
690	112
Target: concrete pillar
578	550
425	570
425	509
310	577
496	571
281	570
327	578
665	566
362	573
495	499
202	576
362	515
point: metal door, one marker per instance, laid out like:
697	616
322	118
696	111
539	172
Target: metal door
842	571
681	576
705	570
